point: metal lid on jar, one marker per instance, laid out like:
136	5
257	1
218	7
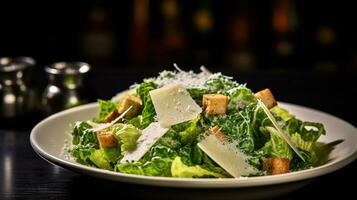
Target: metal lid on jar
8	64
67	68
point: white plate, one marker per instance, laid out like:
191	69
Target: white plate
47	139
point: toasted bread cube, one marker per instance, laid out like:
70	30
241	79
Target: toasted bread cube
111	116
106	140
217	132
215	104
120	96
128	101
279	165
267	98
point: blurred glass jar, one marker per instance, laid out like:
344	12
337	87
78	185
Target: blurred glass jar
65	88
17	99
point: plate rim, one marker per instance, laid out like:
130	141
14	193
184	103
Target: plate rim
189	182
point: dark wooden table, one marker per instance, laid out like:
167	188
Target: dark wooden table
24	175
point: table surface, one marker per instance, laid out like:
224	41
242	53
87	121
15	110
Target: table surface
24	175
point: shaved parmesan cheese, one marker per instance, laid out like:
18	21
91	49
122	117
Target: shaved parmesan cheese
148	138
173	104
187	78
282	133
227	156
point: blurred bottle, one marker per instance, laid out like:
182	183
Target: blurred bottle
172	44
65	88
325	53
140	32
98	40
203	28
17	98
284	25
240	31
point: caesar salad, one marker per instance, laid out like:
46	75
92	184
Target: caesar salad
195	125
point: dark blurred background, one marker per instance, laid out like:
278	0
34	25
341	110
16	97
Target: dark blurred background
229	36
305	51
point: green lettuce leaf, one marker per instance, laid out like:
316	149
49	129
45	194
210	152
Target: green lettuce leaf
298	164
179	169
170	140
157	166
237	126
282	113
105	107
156	162
197	94
240	97
136	121
209	164
127	135
191	133
304	134
277	146
148	112
129	168
311	131
84	136
99	159
82	154
112	154
220	84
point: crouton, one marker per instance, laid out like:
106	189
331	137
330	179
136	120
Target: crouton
279	165
111	116
128	101
217	132
215	104
267	98
106	140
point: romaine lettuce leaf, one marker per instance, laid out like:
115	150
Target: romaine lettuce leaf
282	113
148	112
84	136
170	140
237	126
179	169
129	168
91	156
105	107
311	131
277	146
112	154
127	135
304	134
191	133
157	166
209	164
156	162
99	159
240	97
220	84
82	154
197	94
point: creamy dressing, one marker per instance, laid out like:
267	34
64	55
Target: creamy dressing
309	128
